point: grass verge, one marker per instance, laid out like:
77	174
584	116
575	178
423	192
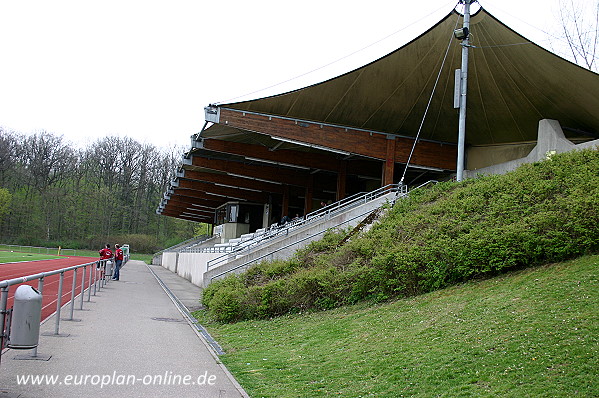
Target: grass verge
528	333
13	257
147	258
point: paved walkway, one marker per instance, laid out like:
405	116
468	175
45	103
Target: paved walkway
131	340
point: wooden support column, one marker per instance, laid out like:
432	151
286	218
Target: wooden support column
389	165
341	180
309	195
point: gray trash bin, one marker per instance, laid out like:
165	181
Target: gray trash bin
26	318
108	268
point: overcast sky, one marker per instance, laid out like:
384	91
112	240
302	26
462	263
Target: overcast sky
146	68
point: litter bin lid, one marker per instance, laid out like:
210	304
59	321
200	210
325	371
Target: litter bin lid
27	293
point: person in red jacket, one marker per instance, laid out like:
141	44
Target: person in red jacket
118	261
105	254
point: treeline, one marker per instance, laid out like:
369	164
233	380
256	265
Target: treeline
53	193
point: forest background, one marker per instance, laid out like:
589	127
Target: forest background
55	194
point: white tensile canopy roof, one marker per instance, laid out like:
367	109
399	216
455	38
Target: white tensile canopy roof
512	84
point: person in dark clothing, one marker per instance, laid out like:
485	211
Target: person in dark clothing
118	261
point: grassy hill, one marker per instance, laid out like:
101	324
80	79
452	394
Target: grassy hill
529	333
487	287
450	233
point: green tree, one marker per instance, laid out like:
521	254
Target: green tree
60	195
5	198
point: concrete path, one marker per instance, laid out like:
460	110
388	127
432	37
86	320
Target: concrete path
131	340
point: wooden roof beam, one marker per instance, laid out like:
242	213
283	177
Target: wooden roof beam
188	209
283	156
187	201
187	217
265	173
190	195
231	181
345	139
193	188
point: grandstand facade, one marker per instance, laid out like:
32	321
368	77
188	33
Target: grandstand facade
259	161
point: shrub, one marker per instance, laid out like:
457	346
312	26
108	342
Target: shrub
448	233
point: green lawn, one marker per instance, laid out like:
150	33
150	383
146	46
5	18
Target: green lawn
8	250
13	257
531	333
147	258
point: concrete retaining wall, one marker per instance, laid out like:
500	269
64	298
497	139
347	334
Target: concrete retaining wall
169	260
550	140
192	266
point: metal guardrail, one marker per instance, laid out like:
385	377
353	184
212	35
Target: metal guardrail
249	262
97	279
195	240
401	191
321	214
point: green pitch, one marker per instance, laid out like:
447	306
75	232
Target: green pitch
13	257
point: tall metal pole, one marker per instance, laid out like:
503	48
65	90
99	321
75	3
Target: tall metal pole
463	91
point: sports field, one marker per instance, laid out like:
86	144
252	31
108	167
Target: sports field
11	270
13	256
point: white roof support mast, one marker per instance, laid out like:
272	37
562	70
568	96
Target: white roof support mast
463	34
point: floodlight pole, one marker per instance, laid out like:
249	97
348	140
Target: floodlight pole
463	91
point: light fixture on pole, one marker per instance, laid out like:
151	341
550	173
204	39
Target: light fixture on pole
461	33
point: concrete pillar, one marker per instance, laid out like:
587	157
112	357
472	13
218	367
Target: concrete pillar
389	165
309	195
266	216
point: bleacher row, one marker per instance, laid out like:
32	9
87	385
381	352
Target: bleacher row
238	247
243	245
250	240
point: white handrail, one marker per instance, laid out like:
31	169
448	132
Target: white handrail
327	212
401	191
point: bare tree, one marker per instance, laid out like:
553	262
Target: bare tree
49	162
8	159
48	159
580	26
109	188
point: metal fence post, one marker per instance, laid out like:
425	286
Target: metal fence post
59	303
83	286
74	286
102	273
3	303
96	267
89	284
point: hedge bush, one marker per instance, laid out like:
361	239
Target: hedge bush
451	232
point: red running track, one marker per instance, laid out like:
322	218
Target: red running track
50	288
